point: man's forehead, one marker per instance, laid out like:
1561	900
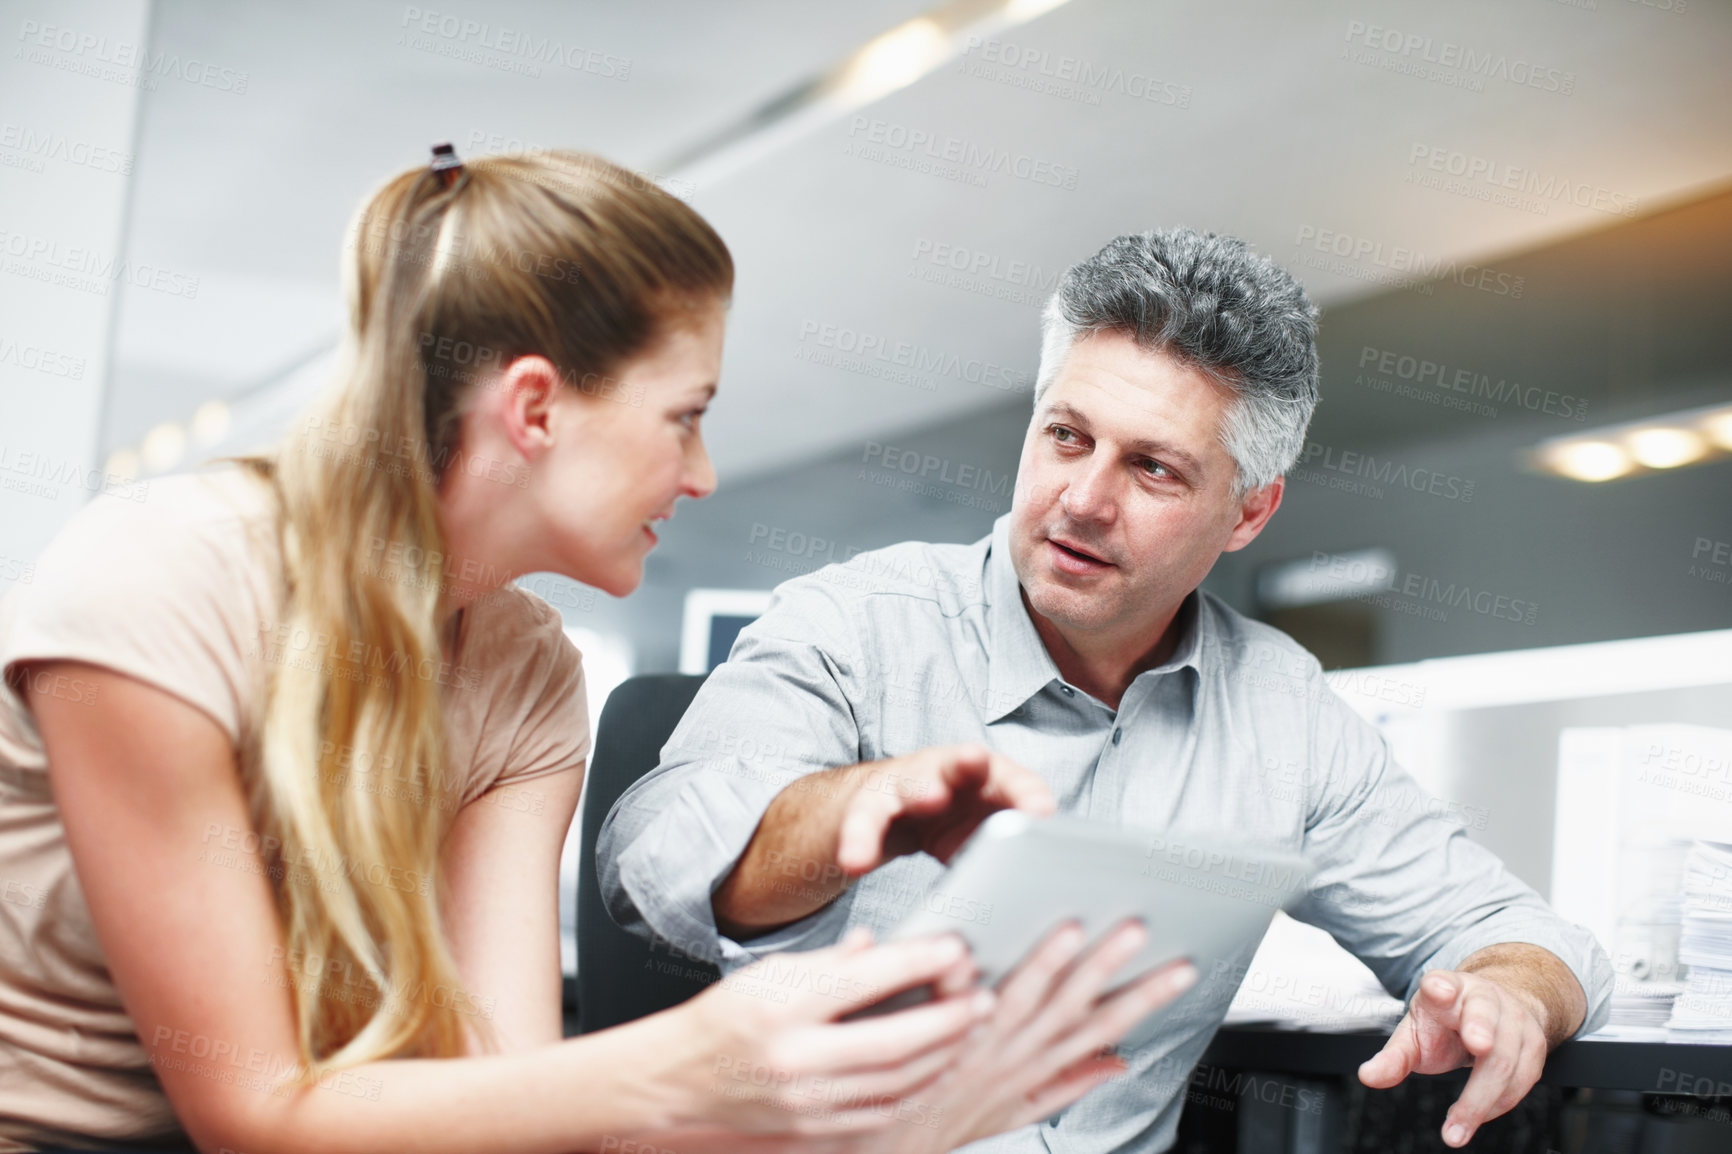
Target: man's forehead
1116	353
1128	385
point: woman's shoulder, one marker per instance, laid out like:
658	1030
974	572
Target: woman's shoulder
515	629
190	530
217	508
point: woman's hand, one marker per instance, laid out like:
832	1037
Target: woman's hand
1043	1047
764	1052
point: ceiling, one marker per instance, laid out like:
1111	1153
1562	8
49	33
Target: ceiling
1272	121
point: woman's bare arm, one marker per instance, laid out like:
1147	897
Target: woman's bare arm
502	909
157	823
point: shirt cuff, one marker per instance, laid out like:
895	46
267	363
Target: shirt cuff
1573	945
668	871
812	932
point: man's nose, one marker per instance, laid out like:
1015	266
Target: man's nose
1090	493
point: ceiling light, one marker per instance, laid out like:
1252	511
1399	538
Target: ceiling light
1664	448
1718	426
163	447
121	467
1589	460
1017	11
1662	441
897	58
890	61
210	423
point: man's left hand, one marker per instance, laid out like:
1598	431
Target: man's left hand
1462	1019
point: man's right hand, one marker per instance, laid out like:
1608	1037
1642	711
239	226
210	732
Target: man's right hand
828	828
931	800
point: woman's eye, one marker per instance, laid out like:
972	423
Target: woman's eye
690	420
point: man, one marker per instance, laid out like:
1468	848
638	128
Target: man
884	707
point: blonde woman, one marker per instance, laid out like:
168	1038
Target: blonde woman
286	761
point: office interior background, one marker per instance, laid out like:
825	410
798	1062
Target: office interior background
1511	528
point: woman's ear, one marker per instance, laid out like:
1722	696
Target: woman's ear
521	401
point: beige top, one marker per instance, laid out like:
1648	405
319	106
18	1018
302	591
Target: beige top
182	590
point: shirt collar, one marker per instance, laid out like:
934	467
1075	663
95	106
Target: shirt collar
1018	665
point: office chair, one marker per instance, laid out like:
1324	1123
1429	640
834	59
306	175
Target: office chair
619	977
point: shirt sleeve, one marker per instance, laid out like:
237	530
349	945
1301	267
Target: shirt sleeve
780	707
149	592
1400	884
554	733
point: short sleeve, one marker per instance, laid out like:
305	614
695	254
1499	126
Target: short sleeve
142	588
554	733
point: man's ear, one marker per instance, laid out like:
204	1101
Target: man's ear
522	398
1254	512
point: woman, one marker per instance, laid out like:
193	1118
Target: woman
286	762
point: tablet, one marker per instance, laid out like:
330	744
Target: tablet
1019	876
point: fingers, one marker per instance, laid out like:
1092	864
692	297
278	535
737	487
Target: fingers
887	1039
1068	1087
1014	787
924	783
898	1081
1509	1052
1397	1059
1082	984
840	980
962	976
1439	998
1114	1016
960	781
1025	990
866	821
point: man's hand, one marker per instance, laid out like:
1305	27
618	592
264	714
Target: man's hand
1500	1016
826	829
931	800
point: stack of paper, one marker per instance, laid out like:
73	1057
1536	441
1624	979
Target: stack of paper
1636	1003
1703	1012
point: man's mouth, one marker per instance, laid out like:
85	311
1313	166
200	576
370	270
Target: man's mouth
1079	555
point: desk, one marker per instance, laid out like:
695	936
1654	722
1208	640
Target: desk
1581	1065
1326	1065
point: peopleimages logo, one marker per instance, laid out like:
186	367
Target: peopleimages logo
882	139
1411	263
1458	59
1385	471
1441	377
1472	172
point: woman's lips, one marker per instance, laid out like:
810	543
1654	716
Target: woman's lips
1070	560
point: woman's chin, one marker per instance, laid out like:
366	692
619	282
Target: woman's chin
621	583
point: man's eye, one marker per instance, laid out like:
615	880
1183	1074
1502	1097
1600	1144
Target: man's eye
690	420
1062	435
1155	468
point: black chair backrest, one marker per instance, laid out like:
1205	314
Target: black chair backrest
619	977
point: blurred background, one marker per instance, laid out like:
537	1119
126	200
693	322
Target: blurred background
1515	216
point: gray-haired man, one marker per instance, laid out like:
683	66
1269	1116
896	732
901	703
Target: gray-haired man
883	707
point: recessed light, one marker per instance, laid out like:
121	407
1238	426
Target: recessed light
896	59
1665	448
1718	426
163	447
1664	441
1589	460
122	466
210	423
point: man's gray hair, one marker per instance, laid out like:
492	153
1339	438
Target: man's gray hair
1212	303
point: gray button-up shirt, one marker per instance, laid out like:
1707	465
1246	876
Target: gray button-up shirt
1236	738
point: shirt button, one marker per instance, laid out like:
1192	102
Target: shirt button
1117	733
1067	691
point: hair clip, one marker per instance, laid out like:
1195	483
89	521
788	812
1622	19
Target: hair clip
445	165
